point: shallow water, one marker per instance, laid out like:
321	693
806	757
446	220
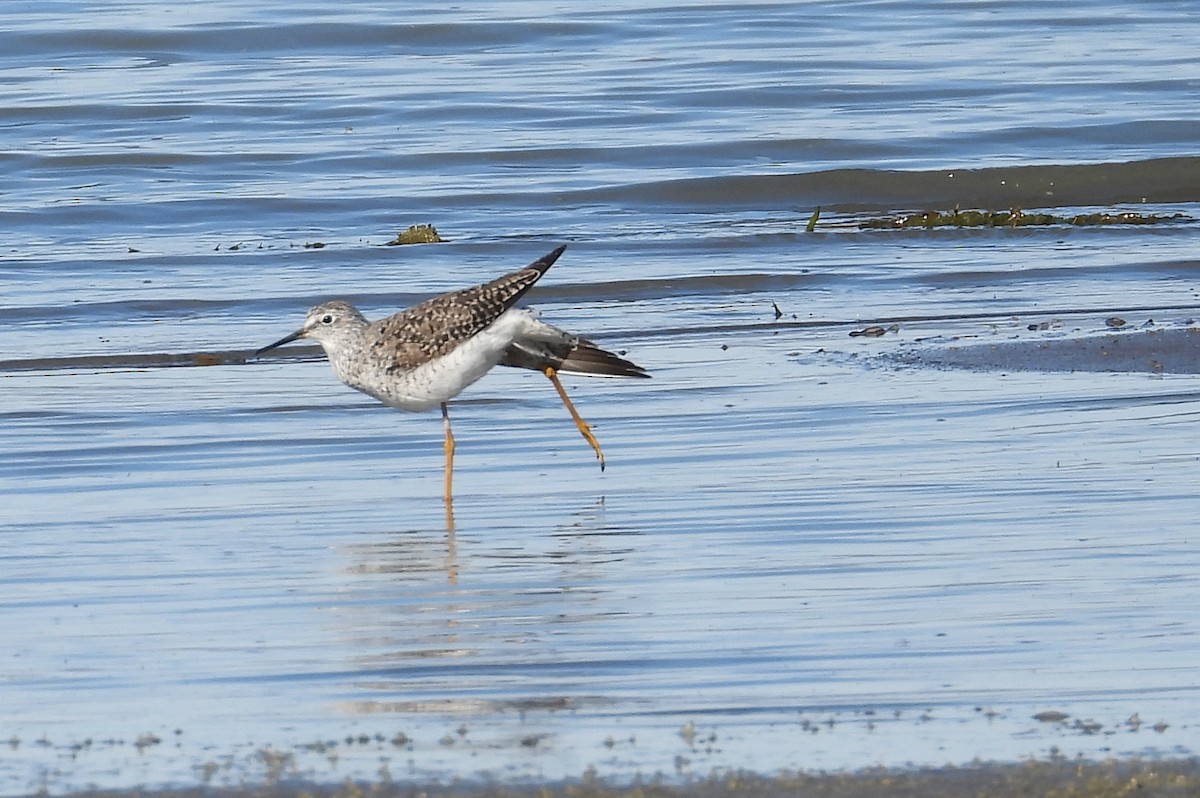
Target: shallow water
809	550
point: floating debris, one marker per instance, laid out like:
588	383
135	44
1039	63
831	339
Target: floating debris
417	234
812	220
874	331
1014	217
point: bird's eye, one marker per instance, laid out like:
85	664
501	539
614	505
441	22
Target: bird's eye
327	319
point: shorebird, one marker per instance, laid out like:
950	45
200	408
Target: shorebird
425	356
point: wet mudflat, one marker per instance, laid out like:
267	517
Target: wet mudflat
806	549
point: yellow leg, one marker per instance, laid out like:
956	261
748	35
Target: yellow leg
449	461
584	428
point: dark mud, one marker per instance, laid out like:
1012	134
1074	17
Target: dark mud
1060	778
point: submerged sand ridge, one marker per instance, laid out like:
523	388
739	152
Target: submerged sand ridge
1048	346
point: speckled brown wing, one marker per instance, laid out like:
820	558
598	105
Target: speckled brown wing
436	326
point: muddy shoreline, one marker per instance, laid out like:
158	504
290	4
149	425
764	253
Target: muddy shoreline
1058	777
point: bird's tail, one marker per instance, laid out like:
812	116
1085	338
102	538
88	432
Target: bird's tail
542	346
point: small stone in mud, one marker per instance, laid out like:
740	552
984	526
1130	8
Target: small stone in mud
145	741
1115	322
207	771
1051	716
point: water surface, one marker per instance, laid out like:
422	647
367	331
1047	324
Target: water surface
810	550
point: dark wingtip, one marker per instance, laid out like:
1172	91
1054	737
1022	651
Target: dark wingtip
546	261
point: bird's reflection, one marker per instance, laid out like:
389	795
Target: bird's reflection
420	552
411	553
437	611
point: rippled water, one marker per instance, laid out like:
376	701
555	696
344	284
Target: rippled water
810	549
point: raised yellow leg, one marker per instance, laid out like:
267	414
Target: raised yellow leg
449	460
584	428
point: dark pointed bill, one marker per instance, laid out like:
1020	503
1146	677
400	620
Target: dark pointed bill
284	340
